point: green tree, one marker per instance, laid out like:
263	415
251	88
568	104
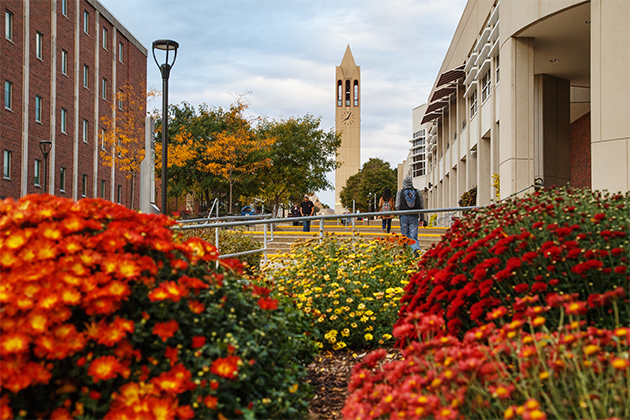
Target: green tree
300	158
371	180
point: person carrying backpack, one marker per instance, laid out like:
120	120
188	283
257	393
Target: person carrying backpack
410	198
386	203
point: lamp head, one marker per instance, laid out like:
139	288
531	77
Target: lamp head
45	146
167	45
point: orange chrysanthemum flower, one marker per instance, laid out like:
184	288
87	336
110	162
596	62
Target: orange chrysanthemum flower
196	306
226	367
13	343
104	368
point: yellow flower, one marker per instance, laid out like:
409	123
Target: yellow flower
354	325
368	337
345	332
543	375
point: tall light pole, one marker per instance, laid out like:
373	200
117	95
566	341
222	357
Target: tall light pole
45	146
168	46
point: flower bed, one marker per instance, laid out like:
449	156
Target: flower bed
501	371
351	292
562	241
104	313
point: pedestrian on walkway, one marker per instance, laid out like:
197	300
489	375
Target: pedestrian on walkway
407	199
307	208
386	203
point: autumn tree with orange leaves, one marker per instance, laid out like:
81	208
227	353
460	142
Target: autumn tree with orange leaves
123	142
211	148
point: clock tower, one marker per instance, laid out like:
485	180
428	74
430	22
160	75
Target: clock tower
347	122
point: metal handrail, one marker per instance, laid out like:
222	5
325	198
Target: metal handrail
263	220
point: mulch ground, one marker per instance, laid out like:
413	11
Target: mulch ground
329	375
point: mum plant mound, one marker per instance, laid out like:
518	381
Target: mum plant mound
563	241
105	313
350	291
515	369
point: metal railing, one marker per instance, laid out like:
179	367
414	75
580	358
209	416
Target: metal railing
268	223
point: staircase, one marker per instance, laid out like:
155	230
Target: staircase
285	234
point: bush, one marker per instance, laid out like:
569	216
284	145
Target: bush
562	241
230	242
352	292
104	314
501	371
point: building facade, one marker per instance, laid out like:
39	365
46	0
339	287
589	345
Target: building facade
347	122
531	89
63	64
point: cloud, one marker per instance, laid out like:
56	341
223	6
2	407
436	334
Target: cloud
285	53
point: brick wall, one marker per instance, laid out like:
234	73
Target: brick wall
11	120
581	152
131	70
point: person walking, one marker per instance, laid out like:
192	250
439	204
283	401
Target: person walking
307	208
407	199
386	203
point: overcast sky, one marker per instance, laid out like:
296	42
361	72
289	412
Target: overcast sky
285	52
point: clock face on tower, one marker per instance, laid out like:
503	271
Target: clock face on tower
347	118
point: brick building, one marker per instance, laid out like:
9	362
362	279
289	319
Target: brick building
62	63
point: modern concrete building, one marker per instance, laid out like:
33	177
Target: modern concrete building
531	89
62	63
348	122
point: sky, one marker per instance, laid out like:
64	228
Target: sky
283	54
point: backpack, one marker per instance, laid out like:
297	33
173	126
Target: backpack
410	196
386	206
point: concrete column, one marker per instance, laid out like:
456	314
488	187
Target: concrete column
516	157
484	176
610	90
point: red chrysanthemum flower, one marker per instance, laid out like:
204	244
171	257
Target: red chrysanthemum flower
165	330
268	303
104	368
198	341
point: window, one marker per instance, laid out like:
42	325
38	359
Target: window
8	25
119	193
119	146
85	131
39	45
356	93
84	181
38	172
38	108
86	25
120	99
62	180
102	139
339	93
64	7
6	169
496	65
64	121
473	104
86	76
64	62
105	38
485	87
104	88
347	92
8	94
120	52
102	188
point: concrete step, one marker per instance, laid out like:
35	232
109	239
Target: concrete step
285	235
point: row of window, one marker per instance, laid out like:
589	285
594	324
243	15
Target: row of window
348	93
8	104
37	177
39	38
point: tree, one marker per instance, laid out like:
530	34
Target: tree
212	148
123	142
370	181
300	158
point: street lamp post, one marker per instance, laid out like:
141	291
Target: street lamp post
45	146
165	45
